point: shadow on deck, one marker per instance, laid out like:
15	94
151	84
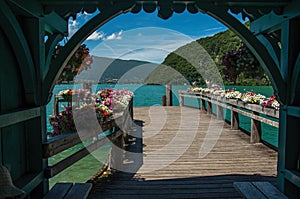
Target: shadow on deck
154	168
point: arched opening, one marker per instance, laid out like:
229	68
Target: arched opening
281	62
90	33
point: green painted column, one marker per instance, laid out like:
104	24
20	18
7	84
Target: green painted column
289	121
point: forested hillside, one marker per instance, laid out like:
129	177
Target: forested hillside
202	60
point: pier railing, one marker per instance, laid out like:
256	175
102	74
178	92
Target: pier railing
118	128
253	111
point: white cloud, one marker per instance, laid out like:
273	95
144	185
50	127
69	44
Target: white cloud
96	36
114	36
211	29
148	44
73	27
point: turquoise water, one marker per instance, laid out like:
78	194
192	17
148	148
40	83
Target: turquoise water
144	95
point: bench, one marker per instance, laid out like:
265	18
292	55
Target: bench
69	191
258	190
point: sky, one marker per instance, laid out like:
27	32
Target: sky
145	36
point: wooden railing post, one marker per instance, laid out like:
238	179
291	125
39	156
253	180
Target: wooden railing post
181	100
238	108
255	130
164	100
220	113
234	120
209	107
203	105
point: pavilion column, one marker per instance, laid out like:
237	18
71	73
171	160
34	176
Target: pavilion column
35	32
289	121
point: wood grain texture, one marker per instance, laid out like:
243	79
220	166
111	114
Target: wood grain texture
171	164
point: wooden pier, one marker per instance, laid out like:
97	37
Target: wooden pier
170	139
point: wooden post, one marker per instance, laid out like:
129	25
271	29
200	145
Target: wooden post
202	105
209	107
169	95
87	86
220	113
164	100
181	100
55	105
255	130
234	120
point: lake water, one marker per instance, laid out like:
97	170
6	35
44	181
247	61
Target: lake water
144	95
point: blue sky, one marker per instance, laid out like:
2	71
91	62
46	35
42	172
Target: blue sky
145	36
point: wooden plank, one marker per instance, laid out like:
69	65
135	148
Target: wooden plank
11	118
64	141
65	163
293	110
29	181
79	191
248	190
269	190
232	159
59	191
292	176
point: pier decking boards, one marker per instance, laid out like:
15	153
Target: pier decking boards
173	136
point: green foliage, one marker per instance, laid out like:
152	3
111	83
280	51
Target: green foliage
80	60
202	60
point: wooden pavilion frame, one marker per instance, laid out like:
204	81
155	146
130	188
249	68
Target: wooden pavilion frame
27	78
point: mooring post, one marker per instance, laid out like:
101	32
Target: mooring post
169	95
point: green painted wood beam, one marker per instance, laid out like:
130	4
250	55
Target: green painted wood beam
267	23
14	32
270	22
281	147
87	29
167	7
295	79
257	48
49	49
272	48
18	116
55	24
30	8
215	2
290	50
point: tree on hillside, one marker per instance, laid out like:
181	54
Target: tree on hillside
240	67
